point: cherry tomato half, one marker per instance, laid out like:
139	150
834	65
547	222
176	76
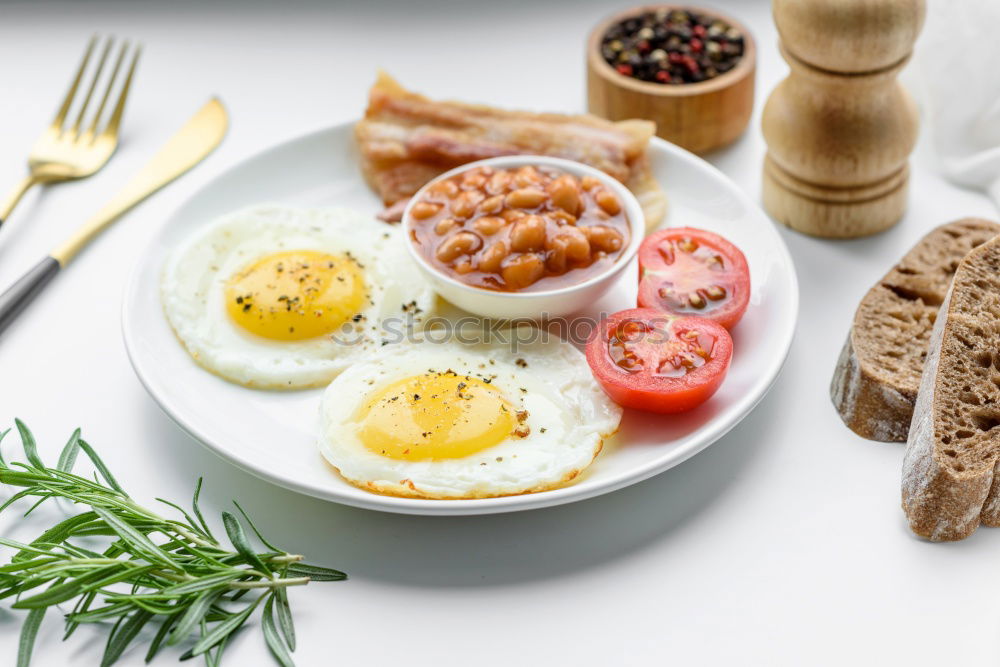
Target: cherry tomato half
649	360
687	271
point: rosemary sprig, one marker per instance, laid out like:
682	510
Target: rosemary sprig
151	569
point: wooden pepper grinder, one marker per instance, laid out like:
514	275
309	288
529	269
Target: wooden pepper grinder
840	128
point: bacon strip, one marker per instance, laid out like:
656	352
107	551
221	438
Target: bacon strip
406	140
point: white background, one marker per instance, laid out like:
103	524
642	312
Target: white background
782	544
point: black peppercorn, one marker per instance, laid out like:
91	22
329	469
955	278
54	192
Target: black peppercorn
672	47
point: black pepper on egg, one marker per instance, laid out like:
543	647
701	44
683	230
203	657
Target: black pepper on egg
672	46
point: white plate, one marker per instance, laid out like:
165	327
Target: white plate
272	434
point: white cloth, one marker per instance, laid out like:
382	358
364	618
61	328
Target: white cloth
958	82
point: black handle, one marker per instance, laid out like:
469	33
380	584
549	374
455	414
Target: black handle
20	294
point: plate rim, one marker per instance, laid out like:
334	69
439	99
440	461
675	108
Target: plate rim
567	494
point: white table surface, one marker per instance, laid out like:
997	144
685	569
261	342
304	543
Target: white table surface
782	544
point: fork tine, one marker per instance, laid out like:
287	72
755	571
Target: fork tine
64	109
116	118
107	92
93	84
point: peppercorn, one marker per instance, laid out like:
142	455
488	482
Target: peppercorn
672	47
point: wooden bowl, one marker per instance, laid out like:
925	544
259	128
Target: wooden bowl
697	116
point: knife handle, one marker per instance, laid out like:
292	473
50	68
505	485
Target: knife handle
28	286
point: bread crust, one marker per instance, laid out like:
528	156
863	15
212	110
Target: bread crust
871	408
946	493
874	389
939	505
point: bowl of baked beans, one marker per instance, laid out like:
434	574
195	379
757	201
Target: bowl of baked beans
523	236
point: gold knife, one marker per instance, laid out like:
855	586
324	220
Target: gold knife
192	143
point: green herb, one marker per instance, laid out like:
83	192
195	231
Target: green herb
152	569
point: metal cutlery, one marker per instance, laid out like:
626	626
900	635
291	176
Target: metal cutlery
73	150
192	143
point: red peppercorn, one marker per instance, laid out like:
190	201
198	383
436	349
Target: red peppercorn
697	45
642	46
698	30
675	57
625	69
691	64
663	76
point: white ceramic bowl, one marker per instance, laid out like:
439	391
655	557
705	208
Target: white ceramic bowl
543	303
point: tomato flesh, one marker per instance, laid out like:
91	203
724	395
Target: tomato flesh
687	271
648	360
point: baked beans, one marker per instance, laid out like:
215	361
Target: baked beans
526	228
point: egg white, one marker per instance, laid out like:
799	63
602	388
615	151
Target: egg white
568	416
194	281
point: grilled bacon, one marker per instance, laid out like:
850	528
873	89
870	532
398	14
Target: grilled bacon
406	140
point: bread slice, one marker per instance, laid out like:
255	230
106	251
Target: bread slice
950	484
875	384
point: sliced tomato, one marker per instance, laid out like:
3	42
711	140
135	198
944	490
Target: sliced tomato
687	271
648	360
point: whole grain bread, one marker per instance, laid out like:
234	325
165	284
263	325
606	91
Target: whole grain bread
875	383
950	480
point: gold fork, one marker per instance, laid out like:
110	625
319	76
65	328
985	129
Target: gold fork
70	151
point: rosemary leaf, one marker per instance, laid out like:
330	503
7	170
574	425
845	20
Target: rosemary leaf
315	572
203	583
3	434
197	509
239	539
66	590
161	634
187	517
256	532
28	633
274	641
194	615
135	539
214	659
101	613
101	468
68	456
224	629
23	547
284	612
14	498
28	444
82	604
126	632
57	533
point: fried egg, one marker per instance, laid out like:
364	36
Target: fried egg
277	297
447	420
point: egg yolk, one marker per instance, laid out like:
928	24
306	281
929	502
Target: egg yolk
296	295
436	416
